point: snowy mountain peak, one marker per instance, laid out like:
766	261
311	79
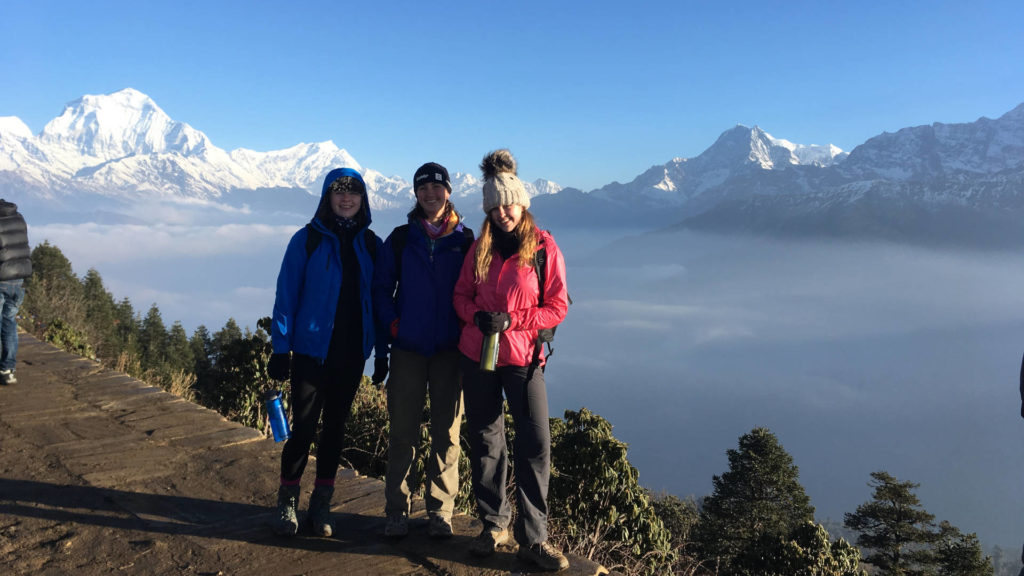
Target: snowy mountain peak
14	126
812	155
120	124
922	153
746	146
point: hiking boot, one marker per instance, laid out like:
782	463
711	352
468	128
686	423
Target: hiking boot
397	526
319	517
544	555
439	527
7	377
488	541
287	522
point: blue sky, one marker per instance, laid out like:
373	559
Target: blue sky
584	93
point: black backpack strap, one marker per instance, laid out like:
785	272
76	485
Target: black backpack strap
313	237
540	267
467	239
398	240
371	244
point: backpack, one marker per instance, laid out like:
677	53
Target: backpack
314	236
546	335
398	239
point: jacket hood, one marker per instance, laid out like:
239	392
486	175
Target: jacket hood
323	210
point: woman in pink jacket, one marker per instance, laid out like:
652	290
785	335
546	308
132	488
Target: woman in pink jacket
498	292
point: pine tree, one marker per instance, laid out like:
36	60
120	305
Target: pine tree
894	527
202	349
959	554
760	496
179	351
53	291
224	339
202	354
100	318
127	329
153	340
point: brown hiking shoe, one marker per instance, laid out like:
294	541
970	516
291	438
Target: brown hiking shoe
543	555
488	541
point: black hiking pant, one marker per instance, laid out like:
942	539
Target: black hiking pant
326	389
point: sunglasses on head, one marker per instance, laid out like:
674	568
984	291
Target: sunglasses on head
347	185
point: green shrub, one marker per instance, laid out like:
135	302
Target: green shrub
64	336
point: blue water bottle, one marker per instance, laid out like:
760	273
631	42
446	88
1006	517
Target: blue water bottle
278	420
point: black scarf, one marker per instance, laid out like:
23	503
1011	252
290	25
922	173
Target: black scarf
506	243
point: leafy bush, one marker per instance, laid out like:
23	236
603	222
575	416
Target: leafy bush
805	551
65	336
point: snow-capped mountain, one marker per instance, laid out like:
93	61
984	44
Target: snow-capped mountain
943	182
742	161
941	150
124	147
112	152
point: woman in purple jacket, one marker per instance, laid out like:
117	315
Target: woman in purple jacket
412	295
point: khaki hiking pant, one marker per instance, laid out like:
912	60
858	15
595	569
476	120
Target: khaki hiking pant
411	376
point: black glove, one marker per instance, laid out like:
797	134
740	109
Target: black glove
279	366
492	322
380	370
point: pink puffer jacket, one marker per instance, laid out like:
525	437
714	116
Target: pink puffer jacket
512	288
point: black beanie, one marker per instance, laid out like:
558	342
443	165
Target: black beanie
431	172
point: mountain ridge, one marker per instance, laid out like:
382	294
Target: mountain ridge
939	183
122	146
105	152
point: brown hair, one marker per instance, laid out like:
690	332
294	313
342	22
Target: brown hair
528	236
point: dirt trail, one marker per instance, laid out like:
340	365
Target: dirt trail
103	474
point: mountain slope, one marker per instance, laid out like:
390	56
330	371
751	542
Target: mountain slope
938	184
123	148
943	183
115	153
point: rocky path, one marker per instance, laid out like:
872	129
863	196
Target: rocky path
103	474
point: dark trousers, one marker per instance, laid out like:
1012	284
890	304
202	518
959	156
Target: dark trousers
485	419
326	389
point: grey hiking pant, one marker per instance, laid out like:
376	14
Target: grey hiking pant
485	420
412	375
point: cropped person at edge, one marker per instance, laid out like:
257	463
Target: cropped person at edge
15	266
412	294
323	316
498	293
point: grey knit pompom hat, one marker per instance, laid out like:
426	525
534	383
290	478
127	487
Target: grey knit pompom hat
501	185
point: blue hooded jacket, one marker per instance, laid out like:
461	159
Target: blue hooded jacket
308	286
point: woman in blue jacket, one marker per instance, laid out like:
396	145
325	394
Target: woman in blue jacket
323	317
412	295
